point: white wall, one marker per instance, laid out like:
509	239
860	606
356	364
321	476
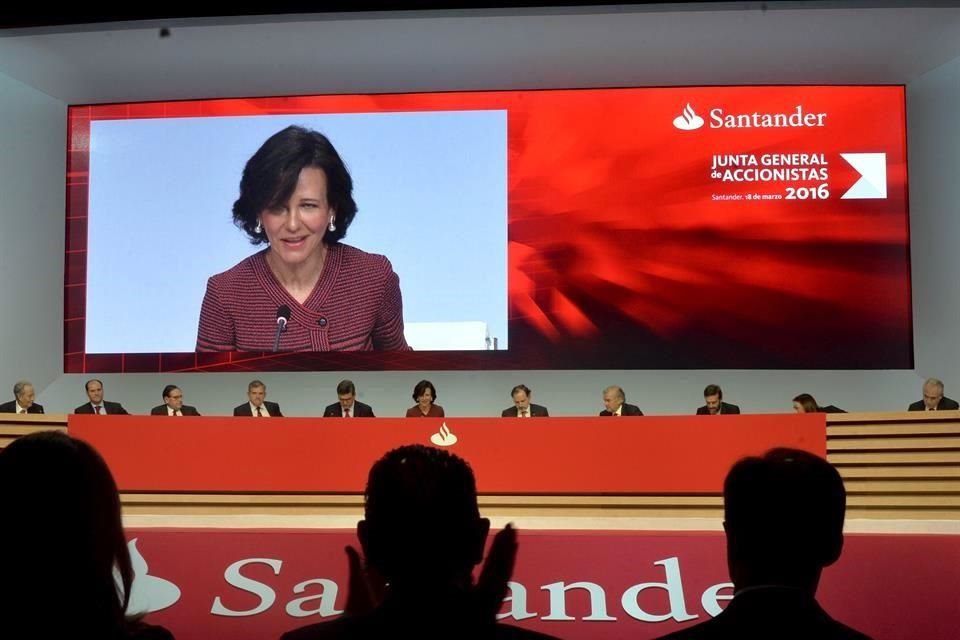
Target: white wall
933	113
486	393
33	133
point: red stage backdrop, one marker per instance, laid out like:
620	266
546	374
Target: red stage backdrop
682	227
680	454
252	585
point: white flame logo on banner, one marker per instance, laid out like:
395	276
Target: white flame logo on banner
148	593
688	120
444	437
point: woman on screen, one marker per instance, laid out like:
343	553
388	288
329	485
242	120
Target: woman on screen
425	395
296	196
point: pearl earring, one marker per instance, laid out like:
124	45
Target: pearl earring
332	226
259	228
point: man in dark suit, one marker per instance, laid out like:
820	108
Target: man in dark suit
522	407
258	405
715	406
97	405
23	394
783	516
348	406
173	404
615	401
415	496
933	398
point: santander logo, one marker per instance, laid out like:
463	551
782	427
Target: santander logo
444	437
148	593
317	597
688	120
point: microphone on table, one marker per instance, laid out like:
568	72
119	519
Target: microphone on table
283	316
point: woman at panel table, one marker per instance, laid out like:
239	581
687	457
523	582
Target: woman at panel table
296	196
425	394
806	403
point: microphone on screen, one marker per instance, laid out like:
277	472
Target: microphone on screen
283	317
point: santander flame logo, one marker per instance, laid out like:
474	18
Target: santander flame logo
148	593
688	120
444	437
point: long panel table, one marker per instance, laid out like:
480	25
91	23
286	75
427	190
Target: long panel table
896	466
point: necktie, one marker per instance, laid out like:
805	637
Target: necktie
259	413
176	412
96	409
346	413
523	413
23	410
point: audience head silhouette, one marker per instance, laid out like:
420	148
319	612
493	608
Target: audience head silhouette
422	536
64	540
422	523
784	519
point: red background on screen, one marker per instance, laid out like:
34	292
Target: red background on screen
618	256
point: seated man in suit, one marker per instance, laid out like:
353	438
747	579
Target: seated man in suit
783	516
409	586
97	405
933	398
23	394
258	405
615	401
715	406
348	406
173	404
522	407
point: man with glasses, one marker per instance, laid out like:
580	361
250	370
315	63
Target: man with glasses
173	404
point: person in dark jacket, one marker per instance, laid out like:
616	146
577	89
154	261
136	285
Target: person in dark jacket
783	518
69	574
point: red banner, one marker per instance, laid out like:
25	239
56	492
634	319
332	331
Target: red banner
246	584
679	454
